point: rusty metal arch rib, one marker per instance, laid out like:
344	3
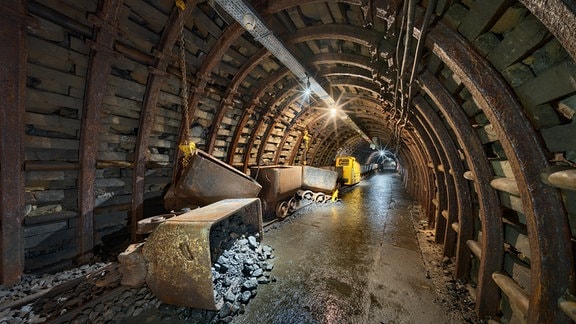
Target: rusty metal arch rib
358	61
549	236
352	60
303	114
229	36
335	135
97	76
354	34
256	59
418	158
153	85
347	33
267	130
278	75
559	18
434	210
490	213
12	79
458	185
377	130
279	5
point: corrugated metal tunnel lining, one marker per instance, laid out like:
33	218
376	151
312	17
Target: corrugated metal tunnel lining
92	118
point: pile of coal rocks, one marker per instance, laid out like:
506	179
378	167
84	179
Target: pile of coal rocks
237	273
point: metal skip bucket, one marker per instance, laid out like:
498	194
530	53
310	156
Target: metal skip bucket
317	179
279	183
205	180
179	253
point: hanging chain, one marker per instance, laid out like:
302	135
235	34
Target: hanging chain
184	90
186	145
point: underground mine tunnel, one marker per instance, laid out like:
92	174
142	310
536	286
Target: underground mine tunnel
288	161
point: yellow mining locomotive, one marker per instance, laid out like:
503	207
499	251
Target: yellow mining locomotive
349	169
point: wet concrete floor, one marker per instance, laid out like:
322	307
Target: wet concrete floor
357	261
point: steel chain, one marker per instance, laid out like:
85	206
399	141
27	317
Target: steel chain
184	90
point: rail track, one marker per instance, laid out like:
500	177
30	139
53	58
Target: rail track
95	297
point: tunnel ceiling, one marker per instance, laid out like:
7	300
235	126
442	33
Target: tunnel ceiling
347	47
246	108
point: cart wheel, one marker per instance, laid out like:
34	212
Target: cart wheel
320	198
300	194
308	195
282	209
327	199
292	205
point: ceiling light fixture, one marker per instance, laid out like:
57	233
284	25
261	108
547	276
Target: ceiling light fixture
248	21
307	90
333	111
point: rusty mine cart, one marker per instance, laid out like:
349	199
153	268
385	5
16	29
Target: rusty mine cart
176	258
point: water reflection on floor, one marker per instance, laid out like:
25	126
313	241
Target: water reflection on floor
356	261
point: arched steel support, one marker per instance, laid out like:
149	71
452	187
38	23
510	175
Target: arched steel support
487	293
547	222
459	210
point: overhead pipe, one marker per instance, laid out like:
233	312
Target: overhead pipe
398	58
416	61
419	49
407	45
409	12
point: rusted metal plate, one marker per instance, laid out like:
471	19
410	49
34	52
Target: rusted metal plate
178	252
317	179
206	180
149	224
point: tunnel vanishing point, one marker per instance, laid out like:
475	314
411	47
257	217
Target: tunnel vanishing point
473	99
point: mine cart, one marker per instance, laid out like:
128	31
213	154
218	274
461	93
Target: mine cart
203	180
279	186
317	179
177	258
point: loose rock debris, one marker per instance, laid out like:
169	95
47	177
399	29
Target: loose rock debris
237	274
93	294
453	294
